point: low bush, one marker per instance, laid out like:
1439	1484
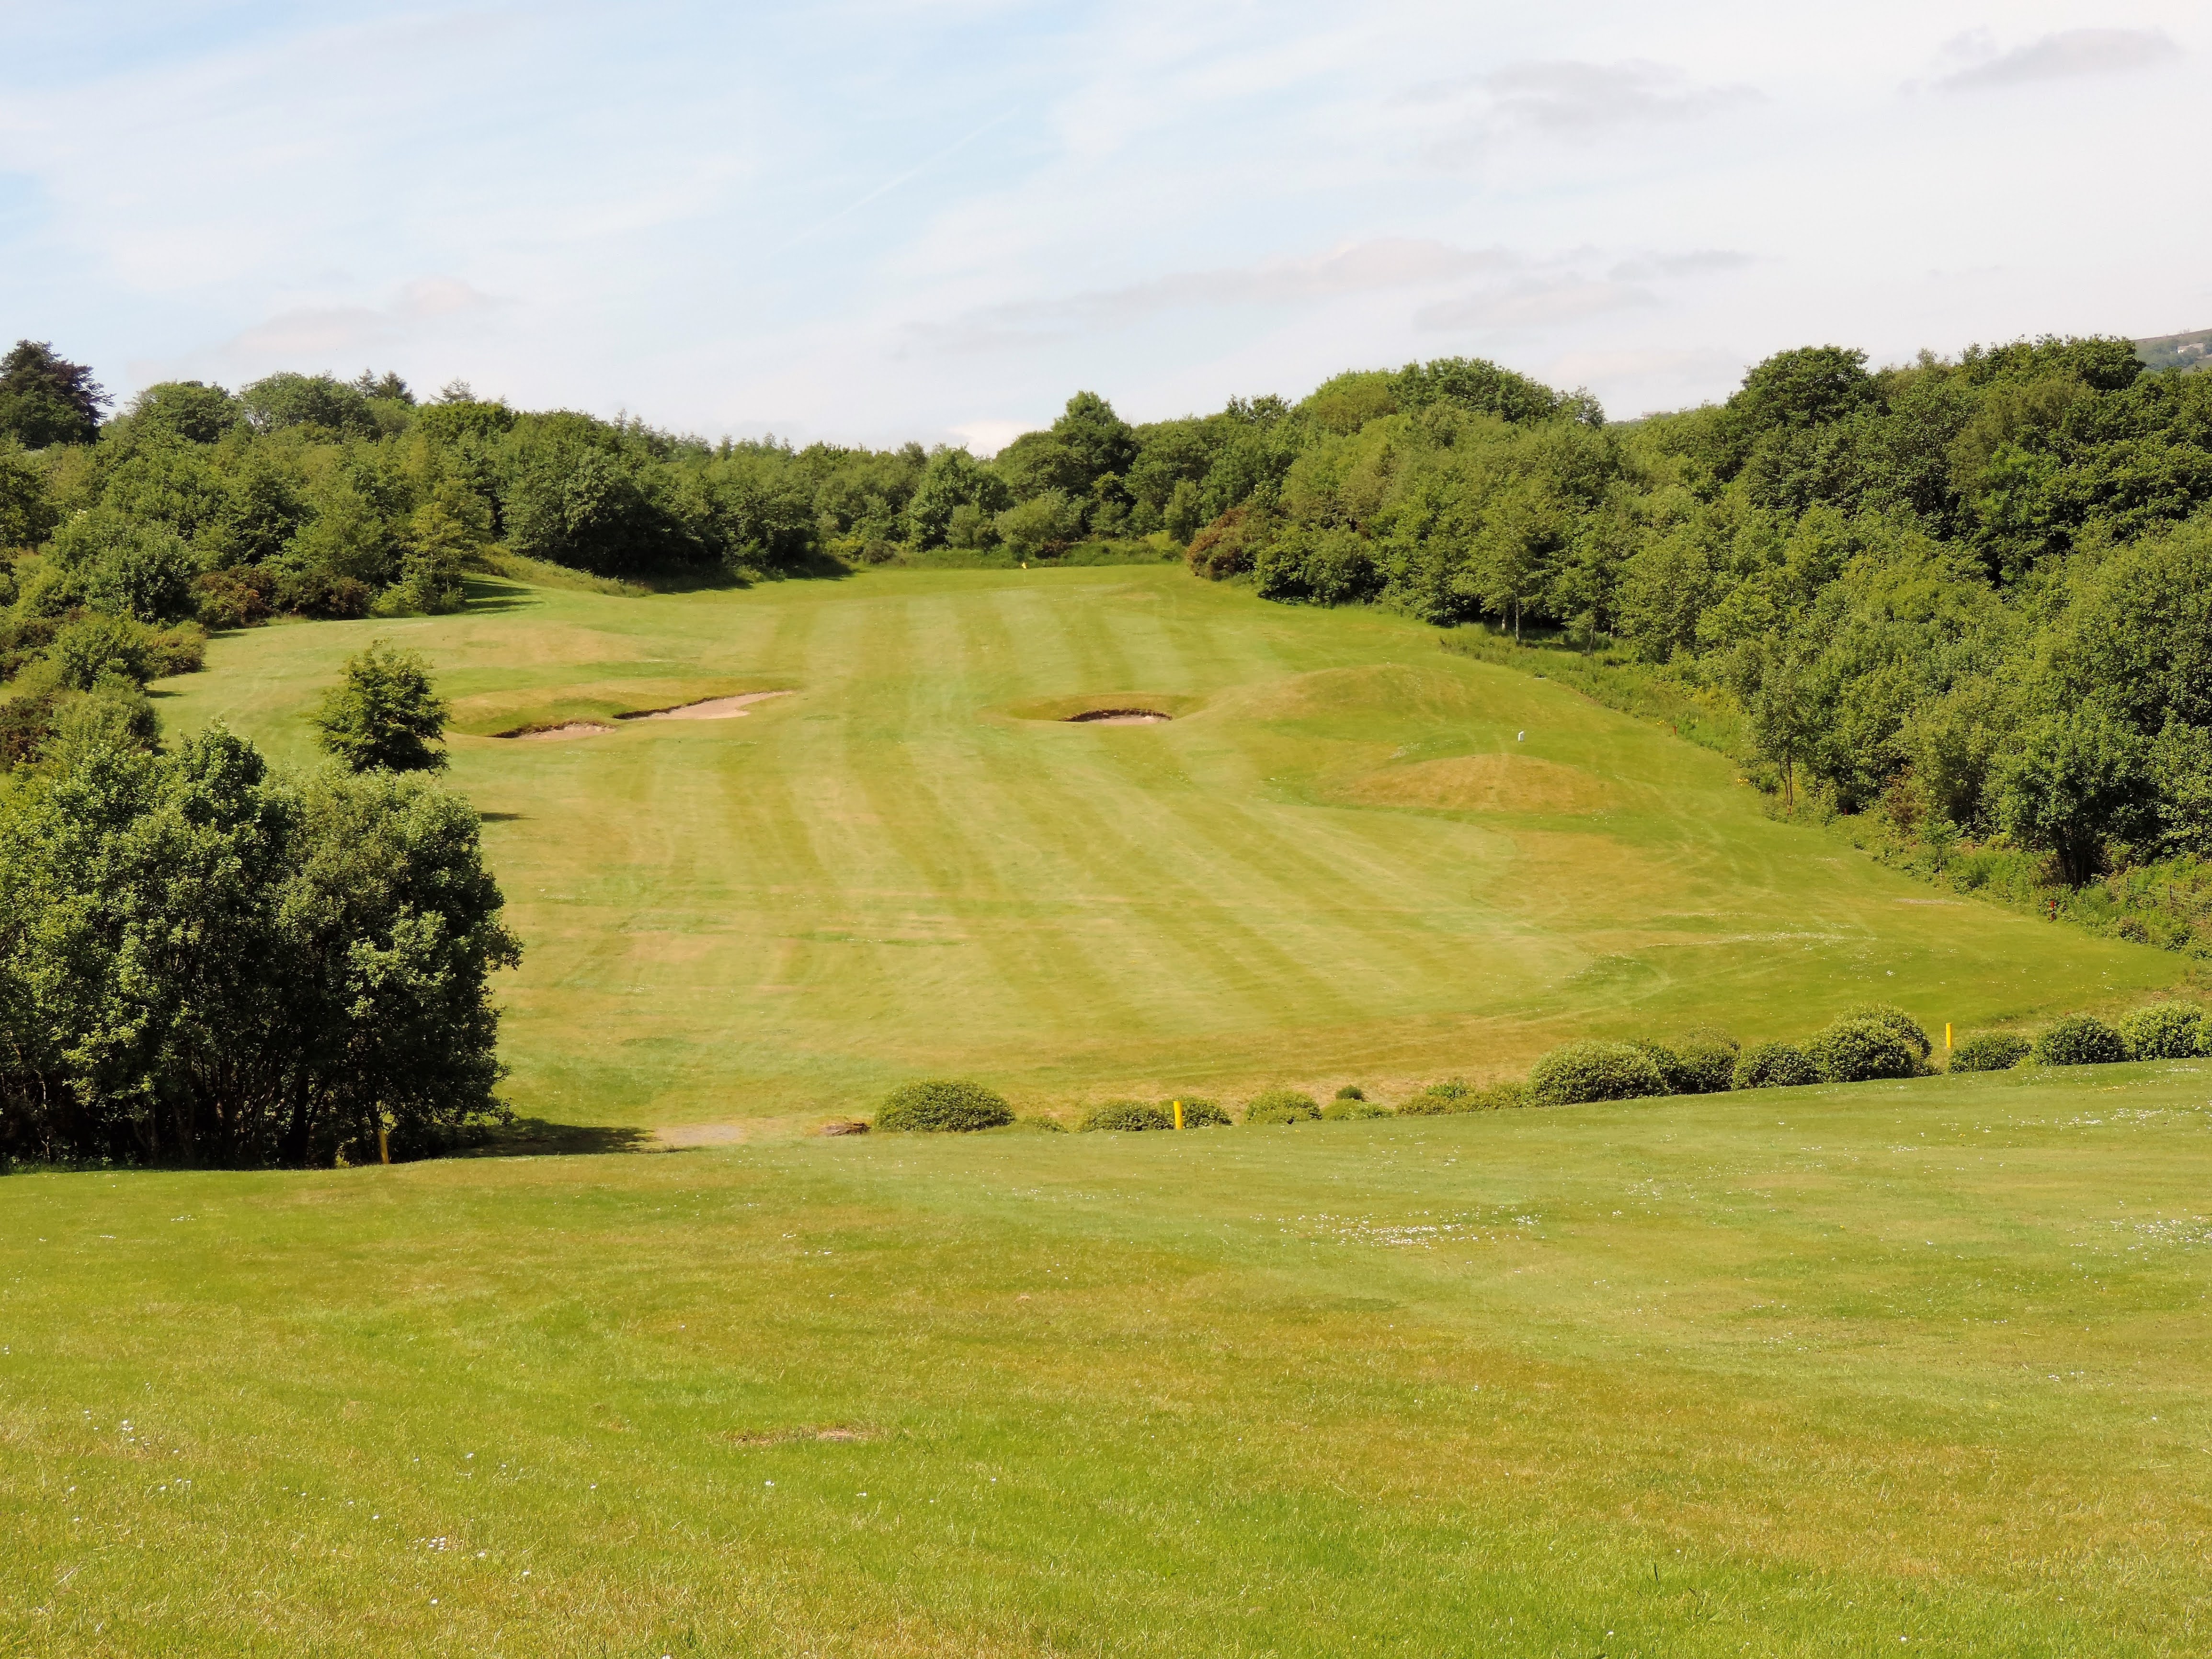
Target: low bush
1037	1122
1282	1106
1580	1072
2165	1031
1774	1066
1449	1099
1127	1116
1668	1062
1889	1014
1860	1050
1351	1091
2079	1040
943	1106
1705	1063
1989	1051
1197	1114
1340	1109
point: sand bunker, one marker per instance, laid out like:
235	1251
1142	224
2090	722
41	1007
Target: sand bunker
1119	717
713	708
550	733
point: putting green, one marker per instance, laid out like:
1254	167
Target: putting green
1348	856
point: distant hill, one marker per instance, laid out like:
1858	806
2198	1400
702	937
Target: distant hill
2187	352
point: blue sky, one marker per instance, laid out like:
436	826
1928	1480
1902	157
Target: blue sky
870	221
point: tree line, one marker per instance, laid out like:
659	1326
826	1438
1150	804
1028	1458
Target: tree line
1969	590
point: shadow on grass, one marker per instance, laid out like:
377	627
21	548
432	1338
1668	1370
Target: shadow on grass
533	1137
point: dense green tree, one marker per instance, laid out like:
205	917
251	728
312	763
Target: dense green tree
44	398
385	714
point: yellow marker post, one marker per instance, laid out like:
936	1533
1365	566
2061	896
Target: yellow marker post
1947	1036
1178	1106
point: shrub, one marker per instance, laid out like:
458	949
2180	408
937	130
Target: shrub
2079	1040
1889	1014
943	1106
1040	1123
1668	1062
1451	1099
1281	1106
1127	1116
1774	1066
1351	1091
1705	1064
1858	1051
2165	1031
1340	1109
1197	1114
1581	1072
1989	1051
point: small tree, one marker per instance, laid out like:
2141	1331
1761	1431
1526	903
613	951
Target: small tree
385	714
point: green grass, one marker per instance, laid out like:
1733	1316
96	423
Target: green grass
1342	858
1793	1373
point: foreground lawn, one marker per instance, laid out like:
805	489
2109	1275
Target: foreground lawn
1898	1368
1350	855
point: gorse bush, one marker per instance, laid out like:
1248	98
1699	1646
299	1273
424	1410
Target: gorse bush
1452	1098
1197	1113
1582	1072
1282	1106
1896	1019
943	1106
2165	1031
1128	1116
1859	1050
1704	1063
1338	1110
1775	1065
2079	1040
1351	1091
1989	1051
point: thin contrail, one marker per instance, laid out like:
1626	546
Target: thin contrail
886	189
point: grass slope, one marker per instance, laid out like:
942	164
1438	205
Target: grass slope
1912	1368
1342	860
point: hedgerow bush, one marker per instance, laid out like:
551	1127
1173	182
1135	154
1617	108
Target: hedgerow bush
2079	1040
1857	1051
1774	1066
943	1106
1340	1109
1989	1051
1451	1099
2165	1031
1197	1114
1705	1063
1282	1106
1668	1062
1580	1072
1039	1122
1127	1117
1889	1014
1351	1091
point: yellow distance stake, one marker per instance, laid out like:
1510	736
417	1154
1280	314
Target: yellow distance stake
1178	1106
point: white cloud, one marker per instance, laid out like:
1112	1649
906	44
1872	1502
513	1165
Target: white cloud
322	335
2066	55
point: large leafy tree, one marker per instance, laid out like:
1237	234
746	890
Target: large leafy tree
385	714
44	398
203	962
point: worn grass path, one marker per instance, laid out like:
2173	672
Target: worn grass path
1351	856
1902	1368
